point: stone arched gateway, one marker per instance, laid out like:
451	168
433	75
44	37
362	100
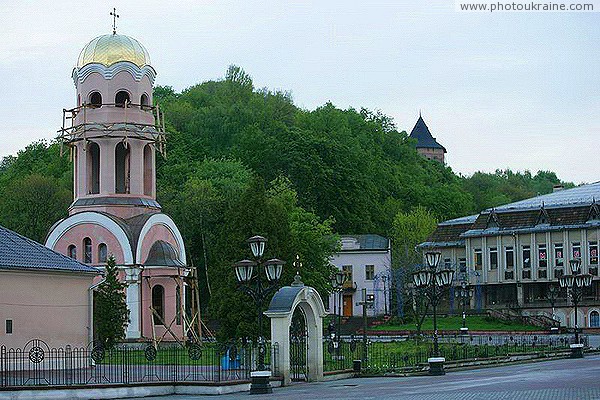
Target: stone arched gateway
281	310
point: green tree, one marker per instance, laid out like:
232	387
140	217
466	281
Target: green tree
30	205
111	315
409	229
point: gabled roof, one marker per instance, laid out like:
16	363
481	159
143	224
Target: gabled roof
18	252
424	138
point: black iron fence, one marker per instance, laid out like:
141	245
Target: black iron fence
404	355
36	364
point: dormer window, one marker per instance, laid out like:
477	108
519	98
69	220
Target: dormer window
594	214
543	218
122	99
492	221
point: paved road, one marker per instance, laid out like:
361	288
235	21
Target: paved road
549	380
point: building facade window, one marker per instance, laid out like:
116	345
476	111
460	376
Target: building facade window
72	252
9	326
493	258
593	253
593	249
462	264
158	304
542	256
347	270
526	253
447	263
102	253
559	260
509	257
369	272
594	319
478	259
576	249
87	250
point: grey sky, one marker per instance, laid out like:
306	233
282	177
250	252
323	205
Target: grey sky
518	90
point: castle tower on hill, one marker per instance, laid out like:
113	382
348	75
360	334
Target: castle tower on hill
113	135
427	146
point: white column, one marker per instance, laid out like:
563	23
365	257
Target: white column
132	275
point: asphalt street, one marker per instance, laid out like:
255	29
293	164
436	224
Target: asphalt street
548	380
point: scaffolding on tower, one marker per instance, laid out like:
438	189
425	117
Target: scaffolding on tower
76	126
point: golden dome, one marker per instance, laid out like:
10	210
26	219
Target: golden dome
110	49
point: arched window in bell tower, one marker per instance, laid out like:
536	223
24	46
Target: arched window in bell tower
122	98
148	173
144	102
93	168
95	100
122	164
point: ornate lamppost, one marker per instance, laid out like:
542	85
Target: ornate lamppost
464	294
253	285
552	295
575	285
337	283
434	283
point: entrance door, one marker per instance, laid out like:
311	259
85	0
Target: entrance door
298	346
347	305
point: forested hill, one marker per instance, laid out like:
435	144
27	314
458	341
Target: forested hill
351	165
244	161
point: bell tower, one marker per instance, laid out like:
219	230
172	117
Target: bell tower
114	131
113	135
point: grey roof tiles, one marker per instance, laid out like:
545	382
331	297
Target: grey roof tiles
19	252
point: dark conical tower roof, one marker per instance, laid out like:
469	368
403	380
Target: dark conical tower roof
424	138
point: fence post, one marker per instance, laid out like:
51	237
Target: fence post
125	367
3	365
68	365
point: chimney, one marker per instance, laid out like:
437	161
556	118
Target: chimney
557	188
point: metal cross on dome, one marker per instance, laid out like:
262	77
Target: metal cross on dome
115	16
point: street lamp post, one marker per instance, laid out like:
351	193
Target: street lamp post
552	295
575	283
337	283
464	294
434	282
253	285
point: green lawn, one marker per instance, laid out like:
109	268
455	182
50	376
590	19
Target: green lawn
474	323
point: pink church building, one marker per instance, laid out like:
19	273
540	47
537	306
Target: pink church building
113	135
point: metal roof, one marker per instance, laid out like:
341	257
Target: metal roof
19	252
162	254
366	242
283	300
460	221
584	194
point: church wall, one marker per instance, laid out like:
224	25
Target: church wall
98	234
150	278
54	307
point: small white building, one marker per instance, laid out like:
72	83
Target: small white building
366	260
